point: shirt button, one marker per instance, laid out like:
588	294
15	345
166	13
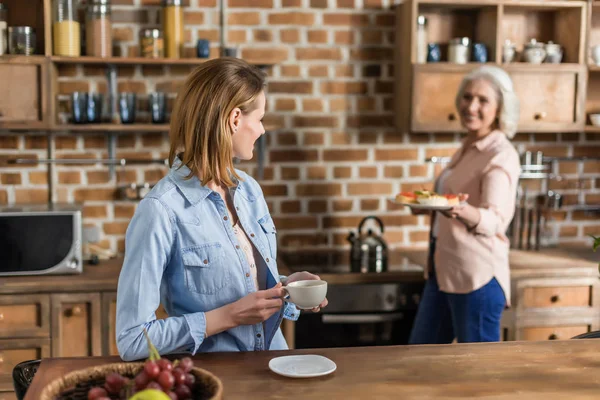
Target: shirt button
237	208
205	261
247	275
225	218
267	260
252	235
237	246
258	335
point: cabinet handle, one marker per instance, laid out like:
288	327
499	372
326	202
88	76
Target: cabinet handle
555	298
539	116
554	336
73	312
451	117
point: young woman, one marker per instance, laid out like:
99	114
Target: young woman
202	242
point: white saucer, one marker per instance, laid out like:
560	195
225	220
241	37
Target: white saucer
303	366
422	206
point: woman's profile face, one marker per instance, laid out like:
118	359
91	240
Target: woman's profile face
247	128
478	106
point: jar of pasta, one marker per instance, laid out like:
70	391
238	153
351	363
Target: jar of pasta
66	35
152	43
98	29
173	28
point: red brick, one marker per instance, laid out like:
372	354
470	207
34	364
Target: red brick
418	170
115	228
94	142
371	37
314	122
345	3
366	104
123	34
360	121
298	222
207	3
418	236
345	155
287	139
263	35
69	177
126	177
67	70
9	142
293	155
94	212
591	167
316	71
31	196
303	240
132	86
299	87
317	206
73	86
312	105
344	87
372	188
318	189
340	138
396	154
410	187
316	172
95	194
318	3
249	4
344	71
340	104
342	205
367	138
292	18
290	71
344	37
289	35
342	172
591	230
317	36
373	3
304	54
291	3
236	36
290	173
210	34
10	179
65	143
36	142
3	197
314	139
95	177
369	204
285	105
337	19
38	177
291	207
271	190
371	54
341	222
243	18
367	172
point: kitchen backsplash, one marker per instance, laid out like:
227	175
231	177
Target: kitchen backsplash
337	158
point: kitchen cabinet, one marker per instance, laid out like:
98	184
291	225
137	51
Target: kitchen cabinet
13	351
552	96
76	325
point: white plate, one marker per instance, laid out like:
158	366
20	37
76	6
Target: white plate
422	206
303	366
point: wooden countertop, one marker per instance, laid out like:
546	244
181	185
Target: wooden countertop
508	370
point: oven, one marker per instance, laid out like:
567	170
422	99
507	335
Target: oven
373	314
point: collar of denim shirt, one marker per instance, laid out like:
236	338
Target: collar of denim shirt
192	188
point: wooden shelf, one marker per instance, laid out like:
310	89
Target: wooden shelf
593	67
127	60
19	59
98	128
592	128
514	66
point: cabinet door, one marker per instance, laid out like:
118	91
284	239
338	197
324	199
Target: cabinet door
21	93
14	351
24	316
76	325
109	322
433	100
549	101
553	332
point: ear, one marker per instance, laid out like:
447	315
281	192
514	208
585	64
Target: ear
234	119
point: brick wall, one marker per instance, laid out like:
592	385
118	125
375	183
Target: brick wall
338	158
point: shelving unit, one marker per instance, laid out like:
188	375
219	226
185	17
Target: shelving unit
553	96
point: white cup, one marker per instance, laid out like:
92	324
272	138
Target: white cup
306	294
596	54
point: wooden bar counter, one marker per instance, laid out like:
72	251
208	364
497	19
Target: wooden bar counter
510	370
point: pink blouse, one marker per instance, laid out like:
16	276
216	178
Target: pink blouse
467	259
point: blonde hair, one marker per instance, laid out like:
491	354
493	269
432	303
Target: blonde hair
508	102
200	118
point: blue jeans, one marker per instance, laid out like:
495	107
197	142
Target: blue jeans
470	317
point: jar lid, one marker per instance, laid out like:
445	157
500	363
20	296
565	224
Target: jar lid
533	43
463	40
104	2
172	2
421	20
151	33
21	29
2	7
100	8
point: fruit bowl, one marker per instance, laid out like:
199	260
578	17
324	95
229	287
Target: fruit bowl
77	384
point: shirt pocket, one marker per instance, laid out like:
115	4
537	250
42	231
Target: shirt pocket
268	228
205	270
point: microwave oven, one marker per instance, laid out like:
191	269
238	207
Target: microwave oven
40	239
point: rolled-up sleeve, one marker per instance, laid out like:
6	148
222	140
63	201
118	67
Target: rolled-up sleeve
148	243
498	190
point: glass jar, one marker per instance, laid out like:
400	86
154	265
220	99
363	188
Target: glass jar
421	39
98	29
66	34
3	29
152	43
21	40
173	28
459	51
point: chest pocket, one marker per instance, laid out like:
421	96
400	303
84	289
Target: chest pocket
268	228
205	269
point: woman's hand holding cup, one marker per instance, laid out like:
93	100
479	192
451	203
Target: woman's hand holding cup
302	291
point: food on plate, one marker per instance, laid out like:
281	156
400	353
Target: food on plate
428	198
431	198
406	198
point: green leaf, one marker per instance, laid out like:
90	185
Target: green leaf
596	242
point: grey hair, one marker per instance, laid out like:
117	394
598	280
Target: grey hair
508	102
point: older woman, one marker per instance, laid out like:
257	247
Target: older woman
468	279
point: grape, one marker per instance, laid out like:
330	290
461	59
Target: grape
96	393
186	364
103	398
190	380
183	392
172	395
164	364
141	380
151	369
154	385
114	383
179	376
166	380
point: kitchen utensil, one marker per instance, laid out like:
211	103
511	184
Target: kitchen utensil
508	51
203	48
595	50
554	53
434	53
534	52
307	294
595	119
368	252
302	366
480	53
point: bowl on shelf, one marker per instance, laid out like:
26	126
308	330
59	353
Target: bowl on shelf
595	119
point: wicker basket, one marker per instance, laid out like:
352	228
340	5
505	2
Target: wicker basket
75	385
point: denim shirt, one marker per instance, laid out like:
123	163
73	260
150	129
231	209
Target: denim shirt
181	251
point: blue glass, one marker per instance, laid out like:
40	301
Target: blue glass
127	104
157	103
79	107
94	107
203	48
480	53
434	53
